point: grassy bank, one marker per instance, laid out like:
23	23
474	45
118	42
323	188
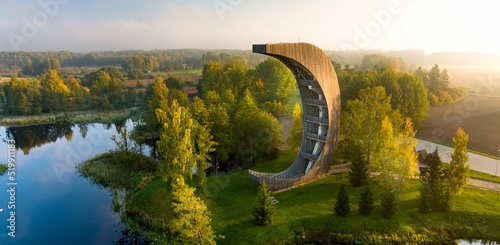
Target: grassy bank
308	211
73	116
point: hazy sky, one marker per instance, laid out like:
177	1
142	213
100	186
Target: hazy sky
86	25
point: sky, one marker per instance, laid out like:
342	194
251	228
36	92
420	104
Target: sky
99	25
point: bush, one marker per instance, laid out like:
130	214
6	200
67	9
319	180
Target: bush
342	207
366	201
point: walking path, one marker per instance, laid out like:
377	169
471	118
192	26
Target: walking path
483	184
476	162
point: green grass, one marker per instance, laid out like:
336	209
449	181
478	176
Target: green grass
484	176
308	210
73	116
191	71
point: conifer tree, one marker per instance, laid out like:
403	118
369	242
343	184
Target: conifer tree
424	200
388	202
366	201
263	210
342	206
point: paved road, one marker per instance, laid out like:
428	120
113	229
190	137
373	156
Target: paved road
477	162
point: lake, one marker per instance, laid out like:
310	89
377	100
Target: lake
53	203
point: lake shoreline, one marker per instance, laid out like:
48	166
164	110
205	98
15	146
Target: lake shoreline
88	116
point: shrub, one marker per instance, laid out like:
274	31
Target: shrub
342	207
388	202
366	201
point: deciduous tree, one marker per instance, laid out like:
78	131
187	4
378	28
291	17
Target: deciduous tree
459	167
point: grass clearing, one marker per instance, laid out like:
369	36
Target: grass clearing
484	176
72	116
308	210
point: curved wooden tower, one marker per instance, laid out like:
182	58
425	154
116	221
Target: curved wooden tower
320	94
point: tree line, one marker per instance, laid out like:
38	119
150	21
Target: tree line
50	92
30	63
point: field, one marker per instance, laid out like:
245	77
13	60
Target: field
308	211
478	113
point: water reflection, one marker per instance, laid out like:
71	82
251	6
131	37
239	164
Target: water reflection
30	137
54	205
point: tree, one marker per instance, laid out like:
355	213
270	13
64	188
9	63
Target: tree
436	179
366	201
263	210
388	202
125	149
362	123
257	133
415	103
55	94
175	144
222	131
406	161
294	139
173	83
157	100
184	144
424	200
203	146
199	111
342	206
358	171
192	222
273	81
459	167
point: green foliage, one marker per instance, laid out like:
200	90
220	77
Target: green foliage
358	172
222	131
362	123
192	222
158	99
231	197
263	210
438	84
294	139
342	206
437	181
388	201
107	169
366	201
184	144
459	168
22	97
273	81
3	169
424	201
173	83
257	133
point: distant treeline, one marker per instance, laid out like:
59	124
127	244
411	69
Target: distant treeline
31	63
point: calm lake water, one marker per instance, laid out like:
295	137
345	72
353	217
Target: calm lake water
53	204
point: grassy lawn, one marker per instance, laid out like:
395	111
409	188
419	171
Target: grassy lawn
191	71
308	210
484	176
